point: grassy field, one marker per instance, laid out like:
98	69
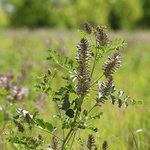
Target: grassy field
24	52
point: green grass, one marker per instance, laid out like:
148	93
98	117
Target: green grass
28	49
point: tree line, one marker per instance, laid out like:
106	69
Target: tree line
117	14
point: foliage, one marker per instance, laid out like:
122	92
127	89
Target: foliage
25	14
80	84
144	21
132	77
125	14
114	13
3	18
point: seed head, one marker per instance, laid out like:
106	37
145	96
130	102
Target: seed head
28	118
104	90
83	58
101	37
55	145
19	125
88	28
105	145
112	64
91	142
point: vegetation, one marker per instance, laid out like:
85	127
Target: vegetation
26	129
118	14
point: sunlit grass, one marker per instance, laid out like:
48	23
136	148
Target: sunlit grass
28	49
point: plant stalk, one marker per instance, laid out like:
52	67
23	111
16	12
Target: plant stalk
68	136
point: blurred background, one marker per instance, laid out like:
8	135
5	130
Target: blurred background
28	28
117	14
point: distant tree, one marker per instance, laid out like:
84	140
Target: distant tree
3	17
145	20
125	13
118	14
31	13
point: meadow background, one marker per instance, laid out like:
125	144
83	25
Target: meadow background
30	28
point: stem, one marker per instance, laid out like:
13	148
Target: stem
91	109
65	140
97	80
73	139
48	132
93	64
60	116
136	145
69	135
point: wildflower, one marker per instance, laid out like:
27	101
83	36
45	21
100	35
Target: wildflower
83	58
19	125
112	64
104	90
101	37
55	145
105	145
91	142
88	27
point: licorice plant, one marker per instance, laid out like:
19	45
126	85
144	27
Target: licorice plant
83	80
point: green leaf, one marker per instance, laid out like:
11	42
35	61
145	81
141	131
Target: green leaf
44	125
49	126
139	102
40	123
119	102
96	116
112	99
63	61
66	103
70	113
132	102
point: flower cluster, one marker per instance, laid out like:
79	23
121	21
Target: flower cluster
88	28
105	145
112	64
55	145
83	58
101	37
109	67
104	90
91	142
17	91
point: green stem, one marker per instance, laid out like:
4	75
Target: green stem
60	115
65	140
136	145
97	80
93	64
69	135
91	109
48	132
73	139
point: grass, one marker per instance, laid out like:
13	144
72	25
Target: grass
26	49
